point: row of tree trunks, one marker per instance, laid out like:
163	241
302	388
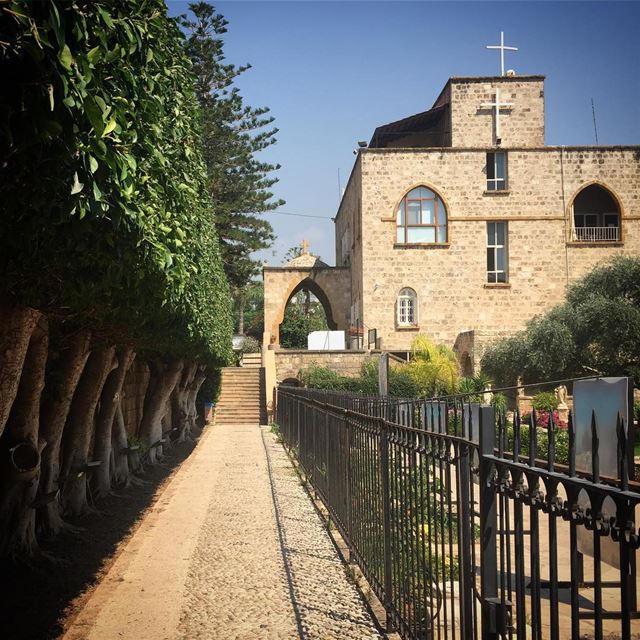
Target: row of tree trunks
64	404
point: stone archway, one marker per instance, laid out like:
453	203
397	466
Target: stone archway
311	285
331	285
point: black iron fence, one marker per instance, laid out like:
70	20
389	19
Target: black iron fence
467	524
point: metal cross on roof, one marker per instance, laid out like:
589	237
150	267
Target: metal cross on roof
496	105
502	48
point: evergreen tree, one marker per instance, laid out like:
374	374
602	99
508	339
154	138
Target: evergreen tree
233	133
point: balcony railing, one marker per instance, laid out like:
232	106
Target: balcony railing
596	234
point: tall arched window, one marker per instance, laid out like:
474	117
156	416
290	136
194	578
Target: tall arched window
407	308
421	218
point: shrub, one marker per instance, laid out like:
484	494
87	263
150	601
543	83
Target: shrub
542	437
434	368
499	402
249	345
545	401
318	377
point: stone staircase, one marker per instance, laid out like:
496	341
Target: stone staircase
252	360
242	397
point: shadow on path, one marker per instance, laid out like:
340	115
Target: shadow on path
36	600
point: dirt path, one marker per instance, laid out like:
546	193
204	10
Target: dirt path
232	549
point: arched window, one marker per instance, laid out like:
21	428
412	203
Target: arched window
421	218
596	216
407	308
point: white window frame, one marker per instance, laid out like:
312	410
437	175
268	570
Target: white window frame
407	308
493	275
498	183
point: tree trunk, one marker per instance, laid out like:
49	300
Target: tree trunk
16	326
109	401
241	303
164	379
61	382
134	391
120	468
192	409
20	482
79	429
180	402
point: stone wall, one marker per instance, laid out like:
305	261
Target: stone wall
289	362
349	222
450	279
521	125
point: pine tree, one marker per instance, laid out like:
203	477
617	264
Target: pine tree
233	133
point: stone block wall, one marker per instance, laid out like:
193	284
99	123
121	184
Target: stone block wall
289	362
522	124
349	221
450	279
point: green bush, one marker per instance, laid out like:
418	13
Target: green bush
318	377
499	402
249	345
561	442
545	401
401	383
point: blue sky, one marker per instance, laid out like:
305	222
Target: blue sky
333	71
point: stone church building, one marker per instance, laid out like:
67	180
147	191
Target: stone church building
460	223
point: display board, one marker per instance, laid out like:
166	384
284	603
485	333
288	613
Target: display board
606	398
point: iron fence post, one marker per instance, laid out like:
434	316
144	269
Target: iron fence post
466	519
494	618
386	521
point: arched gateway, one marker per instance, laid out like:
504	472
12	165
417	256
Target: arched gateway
331	285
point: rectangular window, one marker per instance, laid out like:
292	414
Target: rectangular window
496	171
497	257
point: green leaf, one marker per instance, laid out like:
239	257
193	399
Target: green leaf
97	194
110	126
93	164
102	104
106	17
77	185
94	114
93	55
65	58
